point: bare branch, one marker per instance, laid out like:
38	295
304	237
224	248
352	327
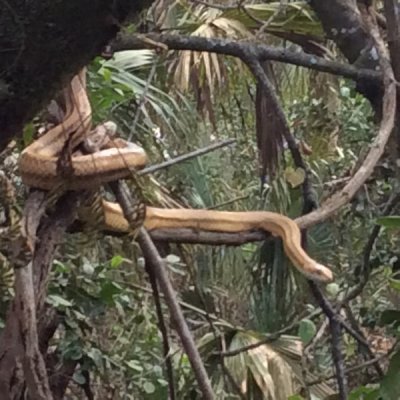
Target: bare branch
205	237
34	366
365	267
393	33
336	338
164	332
237	48
268	339
155	261
186	157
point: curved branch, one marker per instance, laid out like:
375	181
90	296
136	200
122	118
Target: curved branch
343	197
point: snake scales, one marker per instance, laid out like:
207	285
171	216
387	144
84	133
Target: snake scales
38	166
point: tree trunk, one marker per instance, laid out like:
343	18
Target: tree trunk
342	22
43	44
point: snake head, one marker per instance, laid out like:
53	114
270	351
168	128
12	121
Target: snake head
320	273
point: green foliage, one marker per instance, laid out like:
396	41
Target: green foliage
88	294
99	286
364	393
389	222
307	330
390	385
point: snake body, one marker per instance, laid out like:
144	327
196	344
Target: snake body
38	166
38	163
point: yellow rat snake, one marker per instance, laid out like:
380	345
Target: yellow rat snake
38	167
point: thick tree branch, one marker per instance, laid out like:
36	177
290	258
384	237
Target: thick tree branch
393	34
343	23
206	237
235	48
393	39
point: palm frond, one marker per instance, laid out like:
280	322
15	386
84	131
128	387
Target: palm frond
296	17
270	371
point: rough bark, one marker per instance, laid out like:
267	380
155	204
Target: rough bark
343	23
18	352
43	44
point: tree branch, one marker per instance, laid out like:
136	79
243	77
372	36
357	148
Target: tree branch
34	366
235	48
13	345
169	371
206	237
343	23
336	338
186	157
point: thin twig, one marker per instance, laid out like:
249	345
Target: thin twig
355	368
268	339
164	333
228	202
186	157
185	305
365	267
142	101
215	6
336	338
308	349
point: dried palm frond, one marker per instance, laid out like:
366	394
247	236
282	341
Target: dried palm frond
268	130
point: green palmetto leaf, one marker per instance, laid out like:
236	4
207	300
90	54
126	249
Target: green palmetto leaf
389	222
121	70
